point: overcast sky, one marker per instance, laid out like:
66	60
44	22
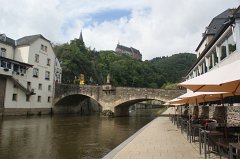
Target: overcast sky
155	27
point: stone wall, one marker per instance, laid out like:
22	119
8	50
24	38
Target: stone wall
217	112
203	111
233	116
211	111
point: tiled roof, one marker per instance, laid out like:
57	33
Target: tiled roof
27	40
7	40
220	31
216	23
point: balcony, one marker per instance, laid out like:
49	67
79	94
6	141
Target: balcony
5	71
30	92
9	67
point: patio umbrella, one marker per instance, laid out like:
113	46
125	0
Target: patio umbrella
177	102
199	97
222	79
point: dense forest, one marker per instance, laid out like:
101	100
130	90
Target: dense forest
159	72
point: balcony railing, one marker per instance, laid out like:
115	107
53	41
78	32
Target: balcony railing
9	67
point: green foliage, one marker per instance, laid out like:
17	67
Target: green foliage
169	85
76	59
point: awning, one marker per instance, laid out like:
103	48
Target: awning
222	79
199	97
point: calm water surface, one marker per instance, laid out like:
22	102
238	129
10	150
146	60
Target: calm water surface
64	137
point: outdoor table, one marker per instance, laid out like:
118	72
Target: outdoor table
232	153
206	135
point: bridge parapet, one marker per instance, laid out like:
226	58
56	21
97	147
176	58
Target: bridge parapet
148	93
109	99
62	90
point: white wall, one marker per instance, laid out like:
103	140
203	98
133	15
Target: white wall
22	53
27	54
9	50
35	48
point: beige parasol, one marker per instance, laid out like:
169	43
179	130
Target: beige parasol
223	79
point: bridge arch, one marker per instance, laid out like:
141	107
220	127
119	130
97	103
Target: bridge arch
122	109
77	103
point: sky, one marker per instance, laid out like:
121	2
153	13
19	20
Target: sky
154	27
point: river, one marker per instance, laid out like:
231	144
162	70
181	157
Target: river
65	137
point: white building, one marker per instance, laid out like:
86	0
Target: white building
220	44
28	71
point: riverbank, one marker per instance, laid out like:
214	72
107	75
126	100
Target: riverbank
159	139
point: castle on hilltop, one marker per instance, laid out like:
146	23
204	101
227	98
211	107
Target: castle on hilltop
130	51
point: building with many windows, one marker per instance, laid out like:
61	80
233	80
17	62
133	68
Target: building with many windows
130	51
28	72
220	44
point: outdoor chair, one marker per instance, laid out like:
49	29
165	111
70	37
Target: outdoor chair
208	140
184	125
223	145
234	150
195	128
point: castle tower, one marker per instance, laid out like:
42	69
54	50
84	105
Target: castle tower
81	37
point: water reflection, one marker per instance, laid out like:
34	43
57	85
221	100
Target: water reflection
62	137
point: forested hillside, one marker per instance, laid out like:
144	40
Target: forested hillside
76	59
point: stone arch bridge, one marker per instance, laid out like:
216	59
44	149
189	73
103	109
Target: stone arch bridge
116	99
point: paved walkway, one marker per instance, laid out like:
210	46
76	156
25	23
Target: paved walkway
170	110
160	139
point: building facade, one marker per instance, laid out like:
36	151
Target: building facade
28	72
130	51
220	44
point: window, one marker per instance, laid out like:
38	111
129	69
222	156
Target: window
27	98
48	62
35	72
14	97
47	75
49	99
37	58
39	99
49	87
224	52
3	52
15	86
39	86
43	48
